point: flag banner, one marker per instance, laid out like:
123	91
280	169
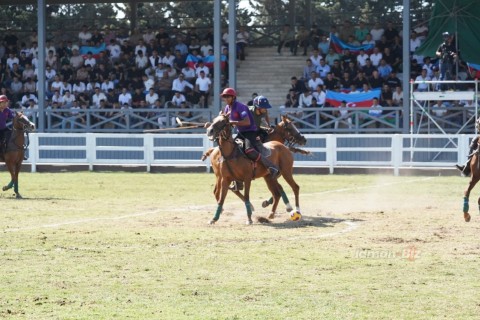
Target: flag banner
192	61
474	70
338	46
361	99
94	50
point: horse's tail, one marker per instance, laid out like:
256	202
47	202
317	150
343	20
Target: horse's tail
298	150
207	154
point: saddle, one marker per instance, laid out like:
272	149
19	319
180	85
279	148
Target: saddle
264	151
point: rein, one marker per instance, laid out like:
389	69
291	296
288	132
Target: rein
18	131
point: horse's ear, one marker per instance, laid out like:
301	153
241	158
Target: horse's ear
207	124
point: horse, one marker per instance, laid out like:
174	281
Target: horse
236	166
14	152
286	132
474	178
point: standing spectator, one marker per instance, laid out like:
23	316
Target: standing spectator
202	86
422	86
377	32
180	84
316	57
84	36
323	46
390	32
361	32
114	50
447	52
397	96
343	115
242	42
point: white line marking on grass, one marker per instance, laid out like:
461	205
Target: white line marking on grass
351	225
366	187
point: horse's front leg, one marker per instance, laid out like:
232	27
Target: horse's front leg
18	167
248	205
223	189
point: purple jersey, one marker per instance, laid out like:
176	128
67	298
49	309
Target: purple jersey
5	115
238	112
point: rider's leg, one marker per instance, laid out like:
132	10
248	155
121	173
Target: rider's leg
465	169
254	155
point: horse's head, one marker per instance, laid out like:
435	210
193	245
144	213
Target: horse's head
292	134
219	125
21	122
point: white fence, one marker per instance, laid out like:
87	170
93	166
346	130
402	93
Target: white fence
394	151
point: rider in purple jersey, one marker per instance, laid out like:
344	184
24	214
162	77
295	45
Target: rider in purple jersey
242	118
5	114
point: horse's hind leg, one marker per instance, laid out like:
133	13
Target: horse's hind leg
274	188
18	167
268	202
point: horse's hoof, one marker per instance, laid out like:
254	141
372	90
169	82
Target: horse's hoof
212	222
18	196
265	204
4	188
466	216
249	222
272	215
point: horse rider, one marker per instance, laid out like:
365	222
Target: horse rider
259	110
465	169
5	114
242	118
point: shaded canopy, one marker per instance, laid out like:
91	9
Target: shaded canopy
460	18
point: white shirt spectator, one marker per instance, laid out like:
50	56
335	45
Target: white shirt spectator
107	85
313	83
179	85
125	97
177	99
78	87
97	97
203	68
168	60
203	83
151	97
375	58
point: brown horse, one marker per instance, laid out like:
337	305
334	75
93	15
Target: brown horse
236	166
474	178
15	150
286	132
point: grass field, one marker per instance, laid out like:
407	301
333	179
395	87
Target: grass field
138	246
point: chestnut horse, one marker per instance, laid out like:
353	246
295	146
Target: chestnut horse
474	178
15	150
236	166
286	132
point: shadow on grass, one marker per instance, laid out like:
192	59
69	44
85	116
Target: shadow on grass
6	196
318	222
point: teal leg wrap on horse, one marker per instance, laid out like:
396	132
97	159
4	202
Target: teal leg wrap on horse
15	187
217	213
270	201
248	206
10	185
465	204
284	197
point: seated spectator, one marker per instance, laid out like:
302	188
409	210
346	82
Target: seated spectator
330	82
305	99
68	99
314	81
439	109
307	70
323	69
421	78
331	57
125	98
97	97
151	97
384	69
27	96
386	95
164	88
397	96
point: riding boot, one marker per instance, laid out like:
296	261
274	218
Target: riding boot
270	166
